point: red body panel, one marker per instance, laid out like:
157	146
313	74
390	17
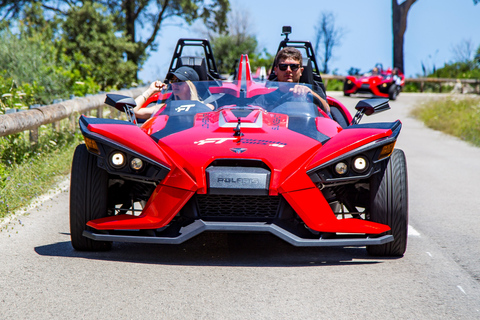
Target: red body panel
191	151
262	136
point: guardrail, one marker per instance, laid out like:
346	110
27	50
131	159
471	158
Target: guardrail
460	83
33	118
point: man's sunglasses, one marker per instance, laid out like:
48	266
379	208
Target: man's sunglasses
284	66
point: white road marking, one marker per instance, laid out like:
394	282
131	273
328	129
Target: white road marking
461	289
412	232
61	187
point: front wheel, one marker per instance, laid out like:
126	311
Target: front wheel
393	92
345	88
88	199
389	205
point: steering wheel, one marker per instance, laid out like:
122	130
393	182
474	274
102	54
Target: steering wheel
289	97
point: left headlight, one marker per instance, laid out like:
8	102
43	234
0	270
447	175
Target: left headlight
117	160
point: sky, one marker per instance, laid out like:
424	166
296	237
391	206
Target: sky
434	28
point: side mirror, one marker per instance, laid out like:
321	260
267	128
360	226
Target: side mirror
123	104
369	107
119	101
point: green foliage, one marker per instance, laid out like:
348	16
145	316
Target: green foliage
228	49
26	169
334	85
90	40
458	70
459	117
20	184
30	60
13	96
263	59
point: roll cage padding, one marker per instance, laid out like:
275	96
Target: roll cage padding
196	63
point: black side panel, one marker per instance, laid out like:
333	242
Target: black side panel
86	121
307	127
174	125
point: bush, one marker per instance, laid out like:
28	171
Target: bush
334	85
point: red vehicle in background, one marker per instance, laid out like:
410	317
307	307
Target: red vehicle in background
378	82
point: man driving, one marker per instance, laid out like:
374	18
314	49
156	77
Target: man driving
288	68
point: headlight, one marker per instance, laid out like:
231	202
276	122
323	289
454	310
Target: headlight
117	160
136	164
360	164
341	168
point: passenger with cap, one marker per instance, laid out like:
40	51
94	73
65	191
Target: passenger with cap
182	89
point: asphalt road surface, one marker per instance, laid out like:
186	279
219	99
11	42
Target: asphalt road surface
42	277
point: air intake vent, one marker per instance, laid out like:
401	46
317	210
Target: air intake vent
238	206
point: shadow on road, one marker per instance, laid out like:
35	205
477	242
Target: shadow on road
220	249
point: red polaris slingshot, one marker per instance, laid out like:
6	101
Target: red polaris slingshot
262	161
377	82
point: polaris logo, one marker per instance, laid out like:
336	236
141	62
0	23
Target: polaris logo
238	180
238	150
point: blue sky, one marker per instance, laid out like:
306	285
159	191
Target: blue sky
434	27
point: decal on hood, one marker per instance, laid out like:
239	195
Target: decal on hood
270	143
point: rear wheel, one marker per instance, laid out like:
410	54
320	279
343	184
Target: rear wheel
389	205
88	199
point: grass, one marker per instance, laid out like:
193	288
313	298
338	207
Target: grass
456	116
28	181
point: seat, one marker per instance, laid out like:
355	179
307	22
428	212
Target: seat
196	63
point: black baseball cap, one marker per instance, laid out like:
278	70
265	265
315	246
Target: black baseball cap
183	74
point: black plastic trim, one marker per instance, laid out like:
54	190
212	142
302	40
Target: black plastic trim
187	232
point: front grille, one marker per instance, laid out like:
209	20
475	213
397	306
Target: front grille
365	86
238	206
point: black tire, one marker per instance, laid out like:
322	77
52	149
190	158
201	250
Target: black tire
345	89
393	92
389	205
88	199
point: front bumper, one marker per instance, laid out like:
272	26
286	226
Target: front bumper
193	229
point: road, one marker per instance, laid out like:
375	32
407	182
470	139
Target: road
42	277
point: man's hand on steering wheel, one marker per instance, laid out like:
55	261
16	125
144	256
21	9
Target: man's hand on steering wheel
300	90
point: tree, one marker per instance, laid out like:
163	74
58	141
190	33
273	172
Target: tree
399	26
147	15
327	36
463	51
89	37
236	40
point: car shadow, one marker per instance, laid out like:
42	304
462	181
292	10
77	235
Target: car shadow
221	249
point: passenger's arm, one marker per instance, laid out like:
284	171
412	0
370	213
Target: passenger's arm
145	113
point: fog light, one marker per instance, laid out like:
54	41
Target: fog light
136	164
360	164
117	160
341	168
